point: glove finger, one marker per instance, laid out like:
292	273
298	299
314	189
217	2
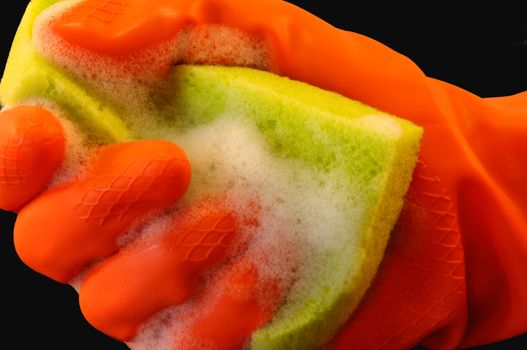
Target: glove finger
125	290
177	31
64	229
245	300
32	144
118	27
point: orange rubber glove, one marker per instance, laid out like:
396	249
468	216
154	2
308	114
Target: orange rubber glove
454	272
84	217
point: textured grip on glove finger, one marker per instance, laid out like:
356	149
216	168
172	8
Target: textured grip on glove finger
128	288
32	146
64	229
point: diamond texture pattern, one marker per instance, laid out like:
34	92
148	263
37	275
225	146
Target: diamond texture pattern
213	234
421	282
14	169
110	197
16	152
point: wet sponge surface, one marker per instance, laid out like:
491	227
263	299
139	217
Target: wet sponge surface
366	156
330	173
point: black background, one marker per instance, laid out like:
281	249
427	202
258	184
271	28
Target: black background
483	50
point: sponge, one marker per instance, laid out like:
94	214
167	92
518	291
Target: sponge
329	174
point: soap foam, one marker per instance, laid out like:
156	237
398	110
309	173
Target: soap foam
303	214
294	231
278	207
132	83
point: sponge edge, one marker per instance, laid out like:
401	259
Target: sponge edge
363	155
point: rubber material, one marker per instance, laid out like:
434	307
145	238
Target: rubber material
454	273
473	150
246	302
31	150
121	293
117	26
64	229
